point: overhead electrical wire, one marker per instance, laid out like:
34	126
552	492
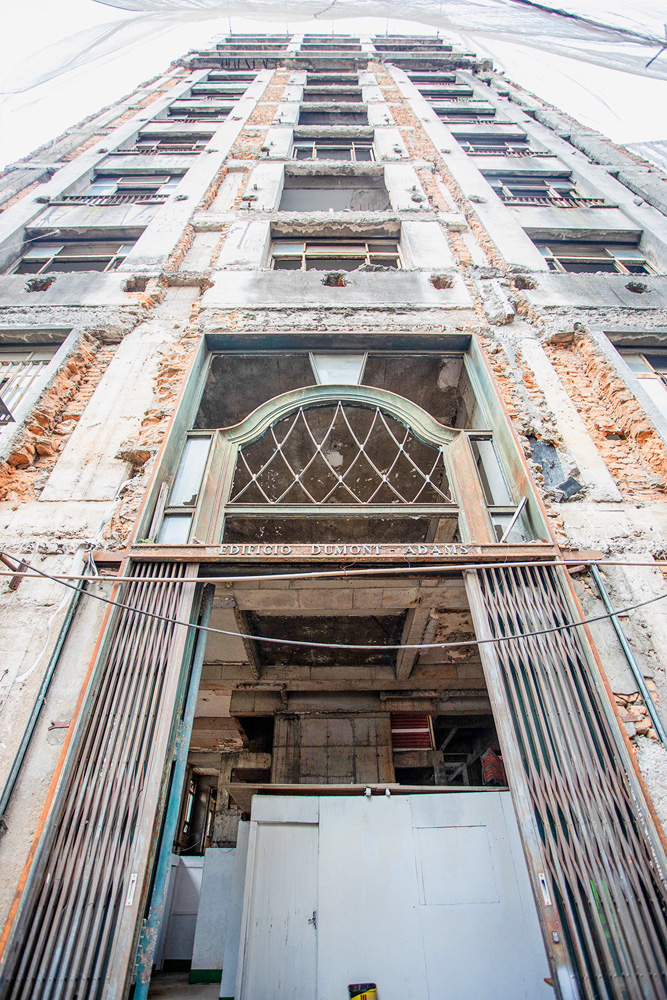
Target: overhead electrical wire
344	646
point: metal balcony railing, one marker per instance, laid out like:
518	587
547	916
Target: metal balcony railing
111	199
575	201
16	378
499	151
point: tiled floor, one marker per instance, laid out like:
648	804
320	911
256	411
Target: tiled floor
175	986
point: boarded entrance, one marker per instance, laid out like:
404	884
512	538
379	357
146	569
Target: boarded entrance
426	895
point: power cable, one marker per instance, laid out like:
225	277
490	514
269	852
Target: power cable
348	571
356	646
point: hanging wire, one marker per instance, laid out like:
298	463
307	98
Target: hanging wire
357	646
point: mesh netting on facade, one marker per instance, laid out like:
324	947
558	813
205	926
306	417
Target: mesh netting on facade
611	34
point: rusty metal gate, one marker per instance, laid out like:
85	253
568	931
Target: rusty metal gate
594	855
75	934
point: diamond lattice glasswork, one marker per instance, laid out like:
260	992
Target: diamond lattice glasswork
339	453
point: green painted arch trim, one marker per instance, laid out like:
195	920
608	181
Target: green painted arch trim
422	424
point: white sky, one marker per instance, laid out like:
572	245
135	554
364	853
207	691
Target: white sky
626	108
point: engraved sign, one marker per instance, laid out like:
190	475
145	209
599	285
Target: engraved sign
348	550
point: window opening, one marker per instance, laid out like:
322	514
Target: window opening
85	255
184	492
337	454
334	96
333	255
560	192
651	370
358	150
332	116
617	258
338	369
170	144
123	189
455	117
19	371
331	192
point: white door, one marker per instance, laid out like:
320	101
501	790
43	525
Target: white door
280	940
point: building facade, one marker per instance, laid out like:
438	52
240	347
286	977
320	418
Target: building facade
334	454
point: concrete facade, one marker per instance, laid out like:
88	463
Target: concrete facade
218	316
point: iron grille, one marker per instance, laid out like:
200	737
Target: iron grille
81	888
16	379
601	856
339	453
152	198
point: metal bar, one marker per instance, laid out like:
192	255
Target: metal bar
72	919
607	881
630	657
515	518
156	913
28	732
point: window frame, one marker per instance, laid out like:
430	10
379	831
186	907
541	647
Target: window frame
334	143
555	260
113	260
326	252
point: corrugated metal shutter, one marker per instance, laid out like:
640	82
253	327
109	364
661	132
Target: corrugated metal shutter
75	932
597	865
411	732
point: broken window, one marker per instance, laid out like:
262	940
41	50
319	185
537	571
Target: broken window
484	145
196	114
170	144
121	189
333	149
332	116
588	257
333	192
333	255
338	369
651	369
454	116
336	95
339	454
341	461
181	497
46	257
446	93
21	370
532	189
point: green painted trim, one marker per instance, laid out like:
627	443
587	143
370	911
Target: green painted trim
206	976
421	423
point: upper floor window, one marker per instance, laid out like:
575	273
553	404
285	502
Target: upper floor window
333	116
192	113
231	77
651	367
453	116
336	96
333	79
484	145
119	189
331	192
333	254
446	93
333	149
171	144
588	257
46	257
21	369
528	189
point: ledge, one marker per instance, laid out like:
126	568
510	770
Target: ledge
598	291
380	289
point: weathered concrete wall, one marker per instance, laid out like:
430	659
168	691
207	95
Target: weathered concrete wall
77	466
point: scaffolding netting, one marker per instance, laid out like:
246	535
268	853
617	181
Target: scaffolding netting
630	38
